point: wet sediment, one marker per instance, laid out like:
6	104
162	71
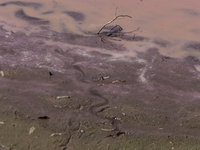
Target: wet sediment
69	97
62	90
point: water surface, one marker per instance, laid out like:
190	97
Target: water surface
170	26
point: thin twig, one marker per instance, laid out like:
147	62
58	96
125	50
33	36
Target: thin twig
103	39
116	12
113	20
132	31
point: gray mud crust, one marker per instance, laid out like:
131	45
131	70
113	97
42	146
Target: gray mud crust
56	97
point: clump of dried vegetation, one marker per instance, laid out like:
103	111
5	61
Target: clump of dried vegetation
115	31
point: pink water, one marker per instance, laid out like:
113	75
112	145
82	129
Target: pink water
177	22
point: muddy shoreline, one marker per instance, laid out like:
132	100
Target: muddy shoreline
57	97
132	86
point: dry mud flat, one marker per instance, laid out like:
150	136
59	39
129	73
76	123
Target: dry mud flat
56	95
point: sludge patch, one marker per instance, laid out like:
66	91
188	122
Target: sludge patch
162	43
193	45
192	59
32	20
75	15
19	3
47	12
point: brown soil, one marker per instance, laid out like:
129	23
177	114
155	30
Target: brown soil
59	97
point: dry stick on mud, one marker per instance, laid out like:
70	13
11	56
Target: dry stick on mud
103	39
132	31
113	20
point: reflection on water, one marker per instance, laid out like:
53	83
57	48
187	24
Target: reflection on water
168	25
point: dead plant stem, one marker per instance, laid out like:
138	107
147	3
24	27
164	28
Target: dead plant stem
113	20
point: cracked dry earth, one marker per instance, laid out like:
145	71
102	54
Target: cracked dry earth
63	91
